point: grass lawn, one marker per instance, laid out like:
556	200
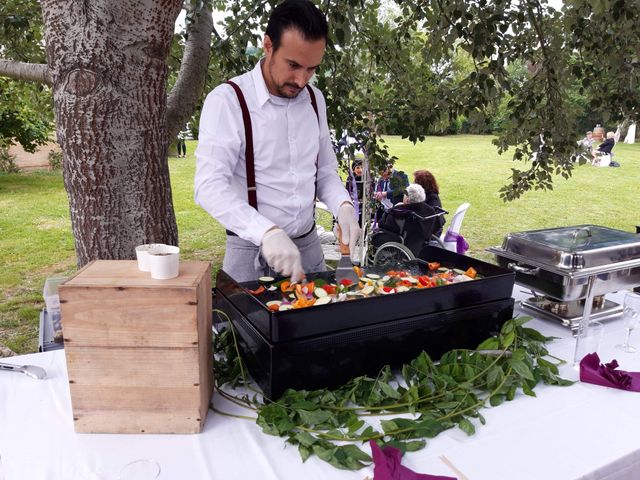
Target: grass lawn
36	240
468	169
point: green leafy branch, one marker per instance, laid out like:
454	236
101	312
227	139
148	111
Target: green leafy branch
330	423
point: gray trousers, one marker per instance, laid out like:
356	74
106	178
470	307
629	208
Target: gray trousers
244	262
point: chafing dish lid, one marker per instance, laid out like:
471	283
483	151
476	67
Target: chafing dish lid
574	247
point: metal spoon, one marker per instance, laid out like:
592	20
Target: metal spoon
29	370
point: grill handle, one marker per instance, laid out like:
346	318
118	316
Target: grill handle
525	270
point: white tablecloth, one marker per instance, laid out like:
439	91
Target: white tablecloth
582	431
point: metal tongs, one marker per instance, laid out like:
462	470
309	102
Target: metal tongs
32	371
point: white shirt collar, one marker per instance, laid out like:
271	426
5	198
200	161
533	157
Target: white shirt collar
262	92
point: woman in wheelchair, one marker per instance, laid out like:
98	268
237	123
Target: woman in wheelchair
409	224
394	219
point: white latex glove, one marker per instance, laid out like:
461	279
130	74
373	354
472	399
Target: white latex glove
350	229
282	255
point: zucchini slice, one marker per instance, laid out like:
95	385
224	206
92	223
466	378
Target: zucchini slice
323	300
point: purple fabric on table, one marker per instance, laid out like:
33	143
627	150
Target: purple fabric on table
387	466
592	371
461	244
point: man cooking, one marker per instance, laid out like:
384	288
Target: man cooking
264	195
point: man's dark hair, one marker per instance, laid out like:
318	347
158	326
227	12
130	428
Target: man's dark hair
301	15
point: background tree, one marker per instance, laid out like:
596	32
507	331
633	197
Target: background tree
26	114
107	66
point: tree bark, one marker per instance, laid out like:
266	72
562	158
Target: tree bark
108	65
29	72
188	88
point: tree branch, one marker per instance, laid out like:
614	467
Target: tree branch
29	72
187	90
241	24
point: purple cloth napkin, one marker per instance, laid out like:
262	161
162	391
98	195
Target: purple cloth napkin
387	466
592	371
461	244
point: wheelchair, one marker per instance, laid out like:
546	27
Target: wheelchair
416	232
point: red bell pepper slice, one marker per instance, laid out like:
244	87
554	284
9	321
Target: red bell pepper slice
258	290
330	289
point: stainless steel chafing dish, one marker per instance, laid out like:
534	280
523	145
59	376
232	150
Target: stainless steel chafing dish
572	263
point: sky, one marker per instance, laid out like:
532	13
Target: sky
180	21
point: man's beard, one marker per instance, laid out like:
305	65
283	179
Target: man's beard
288	93
282	90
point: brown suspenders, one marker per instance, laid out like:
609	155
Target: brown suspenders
248	153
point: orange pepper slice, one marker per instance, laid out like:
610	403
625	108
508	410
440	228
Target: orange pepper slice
471	272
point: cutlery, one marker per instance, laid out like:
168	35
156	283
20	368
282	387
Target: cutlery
29	370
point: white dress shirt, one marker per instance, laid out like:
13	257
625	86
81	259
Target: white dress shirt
287	138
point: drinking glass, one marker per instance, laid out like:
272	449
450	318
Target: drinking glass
630	315
588	340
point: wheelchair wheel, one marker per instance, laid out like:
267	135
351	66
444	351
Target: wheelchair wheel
392	252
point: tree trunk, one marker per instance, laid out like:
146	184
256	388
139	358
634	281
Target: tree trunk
107	61
187	91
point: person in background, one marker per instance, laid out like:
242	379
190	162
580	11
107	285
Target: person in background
355	177
413	201
355	181
391	185
427	181
265	196
182	145
587	142
605	147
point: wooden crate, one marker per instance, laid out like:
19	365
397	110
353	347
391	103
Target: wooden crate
138	350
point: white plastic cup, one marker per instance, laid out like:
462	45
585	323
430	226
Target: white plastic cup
164	261
142	255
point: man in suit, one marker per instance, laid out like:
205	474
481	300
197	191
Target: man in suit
391	185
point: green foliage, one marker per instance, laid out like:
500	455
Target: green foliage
441	395
26	110
21	30
26	115
7	161
55	159
521	69
518	68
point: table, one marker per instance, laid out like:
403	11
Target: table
583	431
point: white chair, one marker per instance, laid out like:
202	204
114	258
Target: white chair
603	160
454	227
